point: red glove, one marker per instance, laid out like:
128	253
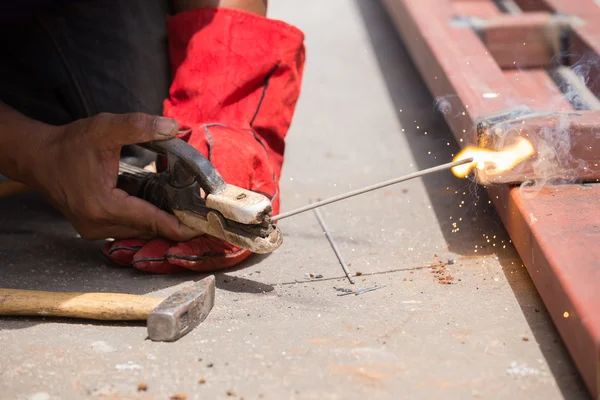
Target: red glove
236	81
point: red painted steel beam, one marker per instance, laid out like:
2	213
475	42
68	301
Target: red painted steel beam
470	86
477	8
530	40
557	235
542	94
556	229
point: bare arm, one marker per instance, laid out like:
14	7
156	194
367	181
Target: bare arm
253	6
20	138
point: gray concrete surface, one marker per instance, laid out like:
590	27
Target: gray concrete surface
364	116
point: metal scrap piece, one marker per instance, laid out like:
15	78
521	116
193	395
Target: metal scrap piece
346	292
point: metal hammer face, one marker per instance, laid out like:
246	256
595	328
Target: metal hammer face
182	311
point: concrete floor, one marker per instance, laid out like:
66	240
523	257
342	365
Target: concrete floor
364	116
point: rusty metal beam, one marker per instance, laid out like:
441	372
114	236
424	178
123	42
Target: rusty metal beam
473	90
556	229
529	40
556	232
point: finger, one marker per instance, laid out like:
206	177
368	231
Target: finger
205	254
121	252
136	128
151	258
139	214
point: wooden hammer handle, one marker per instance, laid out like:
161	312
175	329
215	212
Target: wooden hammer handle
100	306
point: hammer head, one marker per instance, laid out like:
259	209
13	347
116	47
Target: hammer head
182	311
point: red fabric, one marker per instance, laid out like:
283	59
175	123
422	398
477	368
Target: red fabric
236	80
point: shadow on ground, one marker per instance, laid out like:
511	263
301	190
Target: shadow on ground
431	144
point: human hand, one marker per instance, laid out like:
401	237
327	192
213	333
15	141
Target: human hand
75	167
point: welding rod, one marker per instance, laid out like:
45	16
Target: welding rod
336	250
371	188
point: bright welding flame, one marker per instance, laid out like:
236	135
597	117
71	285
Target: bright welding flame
493	162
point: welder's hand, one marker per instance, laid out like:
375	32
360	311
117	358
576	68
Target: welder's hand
76	168
236	82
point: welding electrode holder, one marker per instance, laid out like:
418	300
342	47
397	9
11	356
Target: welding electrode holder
238	216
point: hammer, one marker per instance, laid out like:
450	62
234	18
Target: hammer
168	319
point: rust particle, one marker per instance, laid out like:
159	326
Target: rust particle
441	273
178	396
358	273
231	393
202	381
142	387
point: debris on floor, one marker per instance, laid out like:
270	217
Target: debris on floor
441	273
346	292
142	387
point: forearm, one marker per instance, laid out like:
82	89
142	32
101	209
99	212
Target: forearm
20	139
254	6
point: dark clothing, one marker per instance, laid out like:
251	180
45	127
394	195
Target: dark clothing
86	57
13	11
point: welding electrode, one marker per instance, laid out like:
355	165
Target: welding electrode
371	188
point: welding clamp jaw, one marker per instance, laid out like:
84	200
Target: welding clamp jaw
194	191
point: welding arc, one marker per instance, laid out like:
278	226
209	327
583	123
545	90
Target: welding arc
380	185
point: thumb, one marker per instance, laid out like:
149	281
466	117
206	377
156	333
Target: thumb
137	128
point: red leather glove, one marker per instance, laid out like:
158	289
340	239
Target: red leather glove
237	78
